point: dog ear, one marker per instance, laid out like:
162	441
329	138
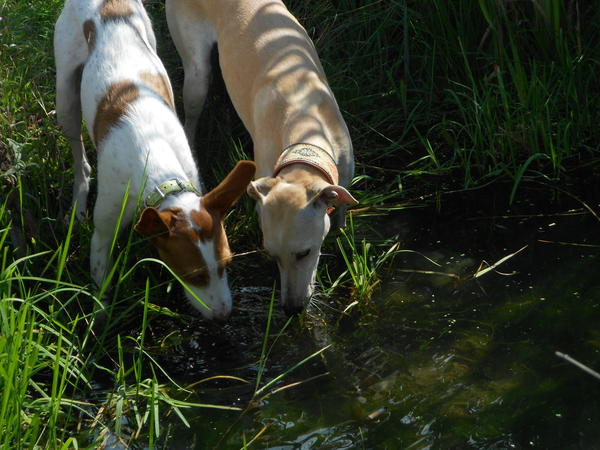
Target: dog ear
152	222
334	195
222	197
260	188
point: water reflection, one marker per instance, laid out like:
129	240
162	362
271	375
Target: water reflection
437	361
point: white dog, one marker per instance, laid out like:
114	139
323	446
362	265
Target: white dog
106	64
302	147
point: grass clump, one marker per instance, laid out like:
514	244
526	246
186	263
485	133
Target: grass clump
471	92
364	262
39	352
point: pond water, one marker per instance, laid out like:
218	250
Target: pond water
436	361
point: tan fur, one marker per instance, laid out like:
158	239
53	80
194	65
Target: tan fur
279	90
112	106
89	32
178	249
273	76
176	240
115	9
211	228
228	191
177	243
160	85
215	205
302	175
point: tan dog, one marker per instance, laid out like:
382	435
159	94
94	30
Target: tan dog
302	146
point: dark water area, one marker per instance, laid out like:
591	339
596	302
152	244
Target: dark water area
438	359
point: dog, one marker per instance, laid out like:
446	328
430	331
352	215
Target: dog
302	147
107	66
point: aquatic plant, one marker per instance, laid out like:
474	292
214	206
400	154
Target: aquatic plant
363	261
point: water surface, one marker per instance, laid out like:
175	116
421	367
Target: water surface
433	360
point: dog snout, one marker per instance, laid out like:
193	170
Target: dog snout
216	307
293	308
294	301
217	314
222	317
222	312
296	290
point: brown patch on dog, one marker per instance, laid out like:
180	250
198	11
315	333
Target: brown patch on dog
211	228
115	9
222	250
112	107
176	242
205	222
160	85
221	198
89	32
215	205
180	253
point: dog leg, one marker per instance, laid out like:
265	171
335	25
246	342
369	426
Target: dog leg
194	40
99	251
195	87
107	211
100	261
68	111
70	54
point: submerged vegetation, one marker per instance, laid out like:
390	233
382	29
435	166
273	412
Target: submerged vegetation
443	100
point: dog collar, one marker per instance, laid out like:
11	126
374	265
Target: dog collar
309	155
169	187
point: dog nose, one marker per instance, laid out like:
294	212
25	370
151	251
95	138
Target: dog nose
222	315
221	320
293	308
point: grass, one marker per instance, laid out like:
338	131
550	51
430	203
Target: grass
471	92
439	96
364	263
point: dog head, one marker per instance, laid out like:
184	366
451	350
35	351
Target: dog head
191	240
294	221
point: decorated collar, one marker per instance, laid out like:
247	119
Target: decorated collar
309	155
169	187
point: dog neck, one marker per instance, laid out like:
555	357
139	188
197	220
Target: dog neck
169	188
187	201
308	155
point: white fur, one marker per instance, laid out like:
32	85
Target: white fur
145	148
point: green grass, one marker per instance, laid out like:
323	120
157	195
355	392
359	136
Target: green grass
364	262
438	96
471	91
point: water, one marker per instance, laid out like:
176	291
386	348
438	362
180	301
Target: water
434	361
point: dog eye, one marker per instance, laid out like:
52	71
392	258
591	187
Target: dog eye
303	254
